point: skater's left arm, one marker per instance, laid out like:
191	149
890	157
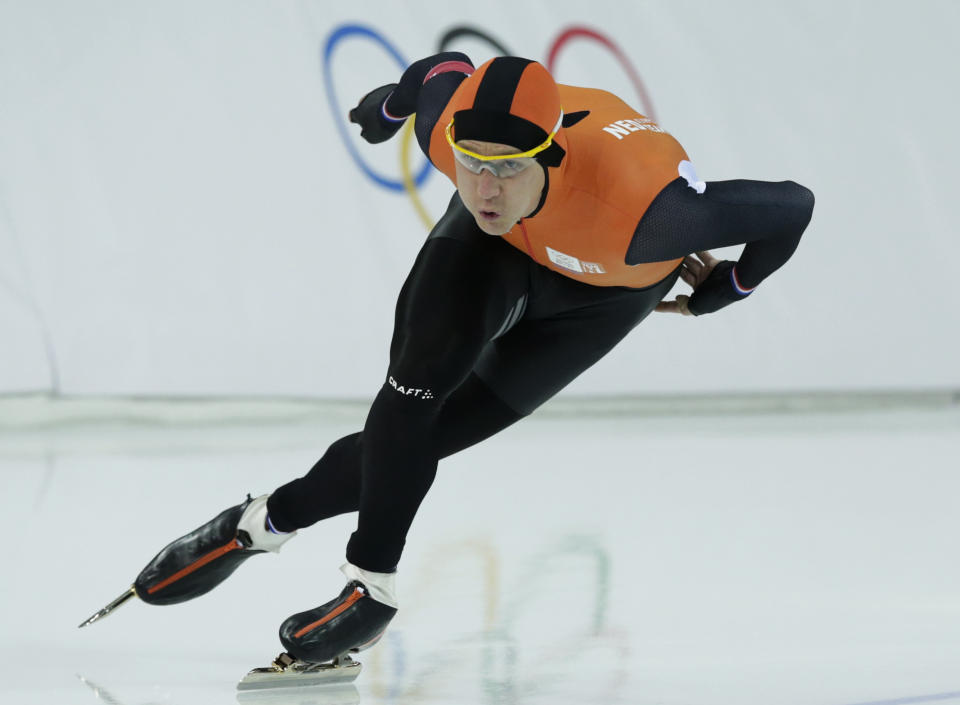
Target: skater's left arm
423	89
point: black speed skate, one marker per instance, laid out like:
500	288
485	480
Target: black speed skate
351	622
196	563
319	642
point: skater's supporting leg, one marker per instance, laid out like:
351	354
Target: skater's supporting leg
572	329
448	311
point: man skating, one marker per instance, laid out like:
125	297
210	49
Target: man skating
573	218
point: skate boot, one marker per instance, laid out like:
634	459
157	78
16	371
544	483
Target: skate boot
353	621
196	563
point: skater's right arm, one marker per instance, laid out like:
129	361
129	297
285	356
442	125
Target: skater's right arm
424	89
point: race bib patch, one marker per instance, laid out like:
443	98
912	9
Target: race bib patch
571	263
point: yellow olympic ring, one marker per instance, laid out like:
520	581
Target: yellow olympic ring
407	175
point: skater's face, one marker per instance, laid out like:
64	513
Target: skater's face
498	202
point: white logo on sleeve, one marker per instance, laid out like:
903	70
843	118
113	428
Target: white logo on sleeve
410	391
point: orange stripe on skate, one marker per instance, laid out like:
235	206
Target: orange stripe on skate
196	565
354	596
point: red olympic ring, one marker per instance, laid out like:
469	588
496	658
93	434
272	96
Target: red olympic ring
576	32
565	37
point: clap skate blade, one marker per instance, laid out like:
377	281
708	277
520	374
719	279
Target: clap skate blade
132	592
288	672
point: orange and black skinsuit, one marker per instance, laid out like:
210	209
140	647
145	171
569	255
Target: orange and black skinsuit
488	328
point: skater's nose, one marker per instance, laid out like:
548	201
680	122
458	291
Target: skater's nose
488	185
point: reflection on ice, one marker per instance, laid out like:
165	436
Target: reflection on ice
103	695
317	695
340	694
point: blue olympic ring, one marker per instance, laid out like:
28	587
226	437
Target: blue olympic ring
335	38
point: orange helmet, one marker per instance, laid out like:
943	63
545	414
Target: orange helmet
511	101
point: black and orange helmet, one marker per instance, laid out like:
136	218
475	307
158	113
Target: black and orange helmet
513	101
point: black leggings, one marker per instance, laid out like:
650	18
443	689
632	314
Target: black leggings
482	337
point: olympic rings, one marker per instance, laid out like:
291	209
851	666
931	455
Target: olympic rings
339	34
412	183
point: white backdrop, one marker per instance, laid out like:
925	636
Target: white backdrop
179	213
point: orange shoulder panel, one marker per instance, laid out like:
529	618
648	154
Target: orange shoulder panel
620	155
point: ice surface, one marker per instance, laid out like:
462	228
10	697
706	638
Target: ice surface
749	559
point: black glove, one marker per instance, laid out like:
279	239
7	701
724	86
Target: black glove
374	127
716	291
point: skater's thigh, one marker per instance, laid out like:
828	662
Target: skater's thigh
457	296
472	413
542	354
